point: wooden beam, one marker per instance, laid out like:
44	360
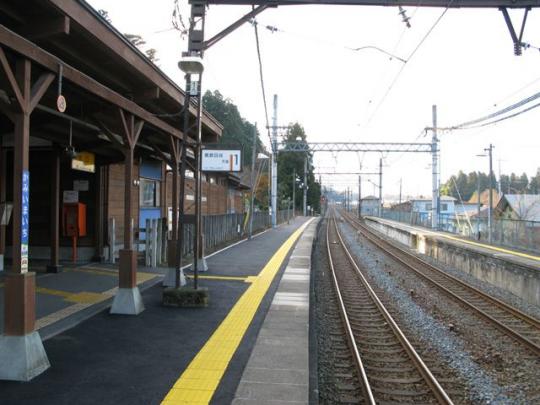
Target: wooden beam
39	88
109	134
45	59
49	27
7	110
84	16
11	79
162	155
147	95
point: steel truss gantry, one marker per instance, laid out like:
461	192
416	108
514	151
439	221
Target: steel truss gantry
382	147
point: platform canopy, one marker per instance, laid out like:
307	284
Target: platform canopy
388	3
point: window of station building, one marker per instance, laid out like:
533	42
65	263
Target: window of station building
149	193
444	207
428	207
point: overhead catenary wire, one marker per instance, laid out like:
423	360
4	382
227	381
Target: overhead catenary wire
411	55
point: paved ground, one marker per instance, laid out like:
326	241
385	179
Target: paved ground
278	370
136	360
71	295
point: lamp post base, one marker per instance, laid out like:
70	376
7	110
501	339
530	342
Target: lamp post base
202	265
170	278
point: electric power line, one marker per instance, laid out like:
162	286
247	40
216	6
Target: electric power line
472	123
262	79
485	124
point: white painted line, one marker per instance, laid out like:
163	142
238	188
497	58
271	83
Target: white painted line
295	277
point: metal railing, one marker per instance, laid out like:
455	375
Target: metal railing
518	234
218	231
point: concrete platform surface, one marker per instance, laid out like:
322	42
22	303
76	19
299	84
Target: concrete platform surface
278	368
499	252
114	359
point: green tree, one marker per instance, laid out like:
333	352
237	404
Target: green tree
105	15
135	39
292	163
152	55
534	183
236	130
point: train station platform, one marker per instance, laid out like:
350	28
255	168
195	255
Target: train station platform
512	270
168	355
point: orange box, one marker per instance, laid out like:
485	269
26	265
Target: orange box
74	219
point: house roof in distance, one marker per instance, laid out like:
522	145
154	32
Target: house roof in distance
526	206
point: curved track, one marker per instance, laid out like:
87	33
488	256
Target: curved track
520	326
390	370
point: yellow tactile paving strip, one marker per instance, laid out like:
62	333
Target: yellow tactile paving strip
83	299
201	378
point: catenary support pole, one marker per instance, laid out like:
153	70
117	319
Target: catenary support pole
359	196
478	206
251	201
380	188
435	172
305	184
294	191
490	208
274	162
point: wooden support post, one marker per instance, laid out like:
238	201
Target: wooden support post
54	265
3	170
128	262
22	355
100	214
128	300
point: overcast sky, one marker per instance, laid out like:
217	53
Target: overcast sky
466	66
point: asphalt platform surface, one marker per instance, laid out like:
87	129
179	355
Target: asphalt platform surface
111	359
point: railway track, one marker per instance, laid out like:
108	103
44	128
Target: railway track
518	325
389	369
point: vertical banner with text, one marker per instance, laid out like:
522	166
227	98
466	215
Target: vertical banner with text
25	220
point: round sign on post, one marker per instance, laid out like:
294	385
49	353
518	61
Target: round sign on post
61	103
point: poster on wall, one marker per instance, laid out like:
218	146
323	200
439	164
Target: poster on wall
25	222
221	160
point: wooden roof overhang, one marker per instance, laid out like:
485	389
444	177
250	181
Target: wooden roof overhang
103	77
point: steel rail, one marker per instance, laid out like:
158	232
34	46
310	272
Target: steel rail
387	247
350	335
439	393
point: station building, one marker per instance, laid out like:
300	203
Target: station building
89	129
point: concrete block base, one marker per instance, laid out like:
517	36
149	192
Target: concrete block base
203	266
170	278
127	301
22	357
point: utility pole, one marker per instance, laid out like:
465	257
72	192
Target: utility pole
274	163
305	185
253	159
478	207
294	191
380	188
359	196
435	172
490	208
